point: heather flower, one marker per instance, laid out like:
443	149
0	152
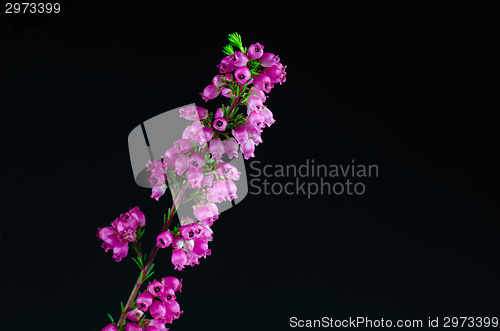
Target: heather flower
204	135
181	164
231	190
178	243
157	310
201	247
239	59
218	192
218	80
110	327
226	65
276	73
135	315
193	113
216	148
182	146
196	160
240	134
213	208
188	246
242	75
231	147
144	300
268	116
248	149
139	215
168	295
120	251
155	288
210	92
226	92
220	123
256	120
157	178
219	113
188	232
255	51
255	91
254	133
158	192
228	171
173	283
179	259
155	166
133	327
207	180
263	83
269	59
194	176
189	134
164	239
156	326
202	213
255	103
173	309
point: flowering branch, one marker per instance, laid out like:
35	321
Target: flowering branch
195	163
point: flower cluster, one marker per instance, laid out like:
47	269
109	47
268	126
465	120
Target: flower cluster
123	230
160	300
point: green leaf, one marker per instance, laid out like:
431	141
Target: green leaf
121	304
111	318
235	40
228	50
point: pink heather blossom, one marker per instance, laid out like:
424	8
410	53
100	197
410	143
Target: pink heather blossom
240	59
204	135
168	295
182	146
256	119
173	309
157	325
201	247
228	77
157	178
110	327
240	134
188	232
255	51
269	59
158	192
210	92
188	246
226	92
157	310
207	180
155	166
254	133
172	151
155	288
218	81
192	258
220	123
228	171
226	65
178	242
219	112
194	176
248	149
179	259
216	148
196	160
231	190
125	222
193	113
139	215
268	117
213	208
135	315
231	147
120	251
189	133
181	164
173	283
255	103
276	73
133	327
263	82
108	236
257	92
218	192
164	239
242	75
144	300
202	213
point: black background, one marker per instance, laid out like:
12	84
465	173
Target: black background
412	89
